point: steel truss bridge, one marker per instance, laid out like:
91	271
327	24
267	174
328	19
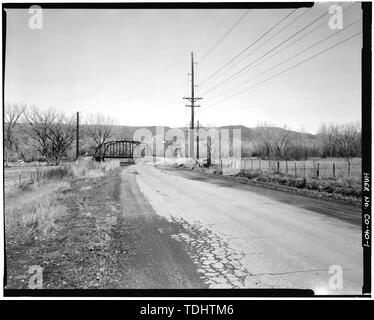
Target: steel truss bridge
120	149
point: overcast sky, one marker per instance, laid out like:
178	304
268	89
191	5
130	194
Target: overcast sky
133	65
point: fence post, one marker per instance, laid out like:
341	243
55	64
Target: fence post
20	179
349	168
251	164
333	169
286	167
317	170
295	171
278	166
269	165
259	164
304	169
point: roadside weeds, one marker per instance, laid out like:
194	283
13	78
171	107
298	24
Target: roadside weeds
63	226
347	191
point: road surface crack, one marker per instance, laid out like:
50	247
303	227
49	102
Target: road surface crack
219	265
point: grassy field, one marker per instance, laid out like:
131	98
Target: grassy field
32	195
24	175
31	211
63	224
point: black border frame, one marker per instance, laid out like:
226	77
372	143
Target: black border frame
366	83
366	157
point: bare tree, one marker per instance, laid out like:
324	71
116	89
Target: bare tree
13	114
61	136
328	136
281	141
303	145
264	143
272	142
349	139
99	131
40	124
340	140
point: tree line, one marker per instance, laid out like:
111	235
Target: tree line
331	140
51	135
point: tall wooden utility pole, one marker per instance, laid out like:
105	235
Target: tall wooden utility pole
197	140
77	138
192	99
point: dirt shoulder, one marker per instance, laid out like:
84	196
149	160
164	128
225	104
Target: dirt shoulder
108	237
156	259
78	255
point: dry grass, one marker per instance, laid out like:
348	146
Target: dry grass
24	177
32	211
344	186
21	178
88	168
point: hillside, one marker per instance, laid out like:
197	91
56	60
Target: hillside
248	135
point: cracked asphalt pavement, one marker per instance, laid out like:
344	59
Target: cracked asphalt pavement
248	237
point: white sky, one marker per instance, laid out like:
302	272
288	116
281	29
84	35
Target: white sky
133	65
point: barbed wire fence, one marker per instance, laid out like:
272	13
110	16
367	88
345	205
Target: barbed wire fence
317	169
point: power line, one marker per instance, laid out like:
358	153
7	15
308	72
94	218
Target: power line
213	32
277	46
295	55
252	44
266	41
236	74
289	68
219	41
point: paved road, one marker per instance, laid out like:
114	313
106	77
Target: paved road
155	260
247	238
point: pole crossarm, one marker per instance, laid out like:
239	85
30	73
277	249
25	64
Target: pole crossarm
192	99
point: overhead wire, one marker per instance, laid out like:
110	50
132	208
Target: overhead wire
223	37
302	51
248	47
203	44
262	44
236	74
286	70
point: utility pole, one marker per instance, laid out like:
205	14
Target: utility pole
197	140
77	138
192	100
208	147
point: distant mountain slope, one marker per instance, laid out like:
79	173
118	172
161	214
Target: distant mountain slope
122	132
127	132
